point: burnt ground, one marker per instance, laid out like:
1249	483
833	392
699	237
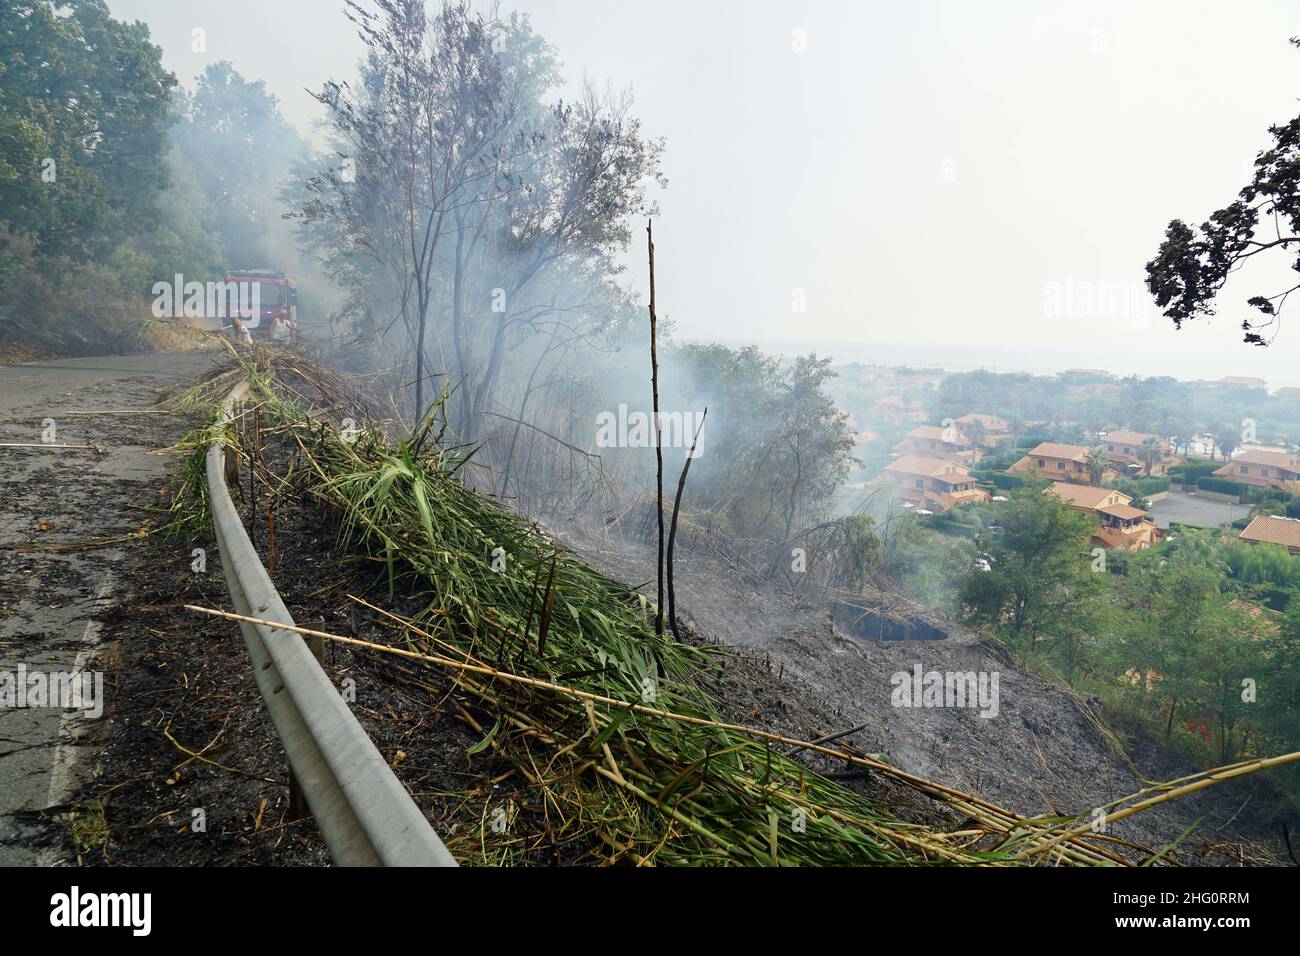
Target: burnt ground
80	464
185	688
1044	752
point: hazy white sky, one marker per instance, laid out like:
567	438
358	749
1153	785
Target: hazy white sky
986	178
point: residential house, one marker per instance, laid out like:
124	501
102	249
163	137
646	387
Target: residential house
1272	529
995	429
1120	524
1239	381
861	433
1264	469
1058	462
893	408
932	483
1288	392
1124	449
937	442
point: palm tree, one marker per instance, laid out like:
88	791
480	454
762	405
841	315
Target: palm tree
1150	452
1228	439
1096	462
1017	426
1183	437
977	433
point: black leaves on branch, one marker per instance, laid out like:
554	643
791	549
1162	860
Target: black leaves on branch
1193	263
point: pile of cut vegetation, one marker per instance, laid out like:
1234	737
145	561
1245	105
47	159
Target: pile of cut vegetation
607	721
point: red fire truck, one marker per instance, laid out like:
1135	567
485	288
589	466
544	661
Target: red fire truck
275	296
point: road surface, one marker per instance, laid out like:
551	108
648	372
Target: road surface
1196	510
51	600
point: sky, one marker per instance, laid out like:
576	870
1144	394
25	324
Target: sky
972	184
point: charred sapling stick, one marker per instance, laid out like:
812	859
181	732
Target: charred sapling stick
672	529
548	607
659	451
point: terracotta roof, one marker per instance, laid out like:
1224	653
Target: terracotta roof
1243	380
1085	496
988	421
1271	529
1120	437
956	478
1112	539
1049	449
925	465
1123	511
936	433
1278	459
1287	391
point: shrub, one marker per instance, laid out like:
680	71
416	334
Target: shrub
1151	486
1193	470
1222	485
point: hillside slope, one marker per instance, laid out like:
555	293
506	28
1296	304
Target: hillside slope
1044	751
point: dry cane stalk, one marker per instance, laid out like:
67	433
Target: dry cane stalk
990	814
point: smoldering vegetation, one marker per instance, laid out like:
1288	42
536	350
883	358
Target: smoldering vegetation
479	224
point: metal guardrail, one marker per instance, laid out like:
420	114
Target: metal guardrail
362	810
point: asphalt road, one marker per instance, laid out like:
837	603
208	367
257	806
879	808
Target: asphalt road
50	600
1196	510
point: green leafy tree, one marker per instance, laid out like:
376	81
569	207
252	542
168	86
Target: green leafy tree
787	448
84	104
1279	689
1039	575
